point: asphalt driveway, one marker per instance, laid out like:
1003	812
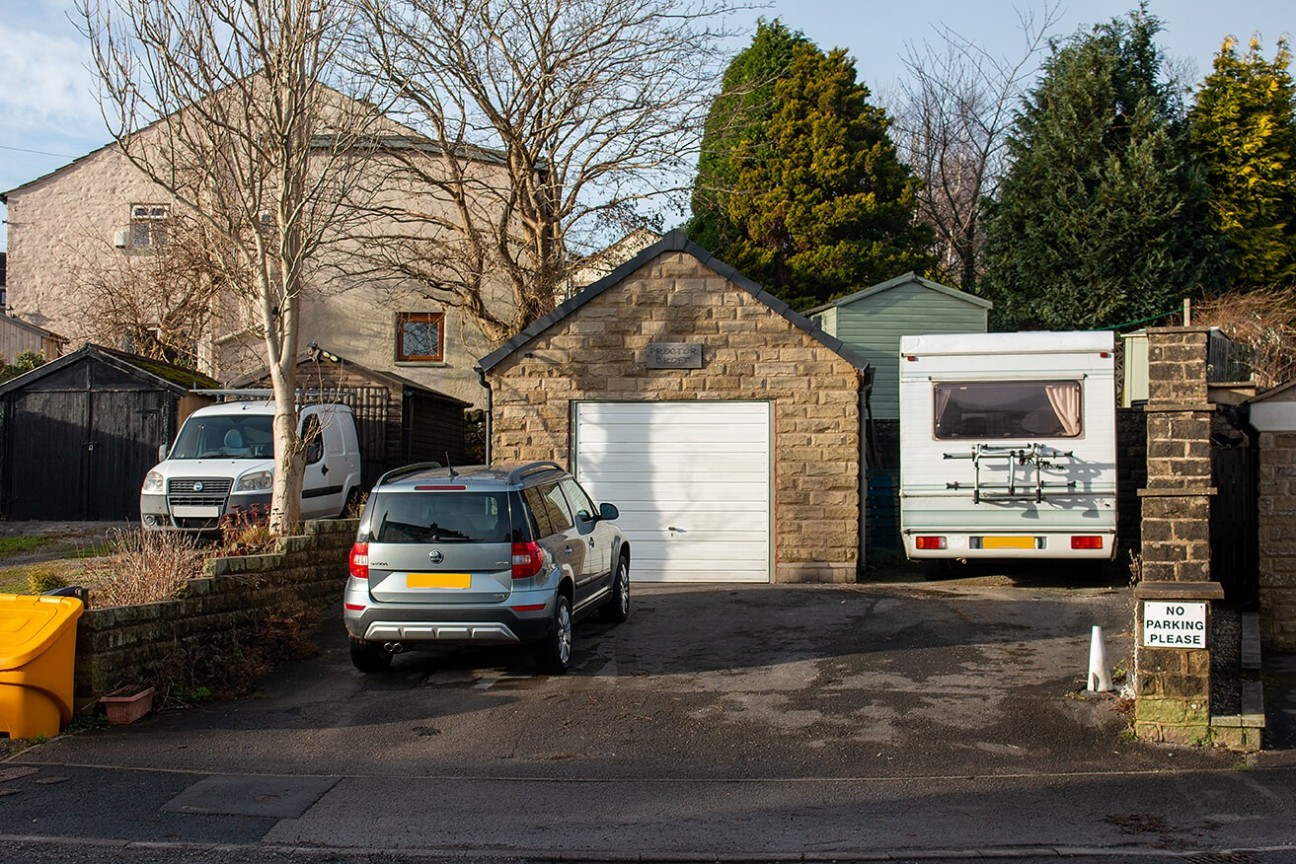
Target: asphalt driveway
716	719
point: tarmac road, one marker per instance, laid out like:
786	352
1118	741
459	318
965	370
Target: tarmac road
854	722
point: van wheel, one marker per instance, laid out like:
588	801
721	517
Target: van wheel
369	656
553	652
617	607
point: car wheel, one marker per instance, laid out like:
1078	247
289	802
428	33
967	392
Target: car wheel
553	652
617	607
369	656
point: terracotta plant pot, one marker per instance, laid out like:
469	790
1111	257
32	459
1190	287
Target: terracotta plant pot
127	704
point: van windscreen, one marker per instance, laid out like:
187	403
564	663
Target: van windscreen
218	436
1007	409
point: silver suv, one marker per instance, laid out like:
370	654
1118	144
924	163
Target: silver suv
481	555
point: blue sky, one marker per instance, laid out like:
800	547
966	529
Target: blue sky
47	102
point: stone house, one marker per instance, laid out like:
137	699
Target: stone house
98	219
723	425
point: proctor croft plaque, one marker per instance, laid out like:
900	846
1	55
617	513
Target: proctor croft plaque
674	355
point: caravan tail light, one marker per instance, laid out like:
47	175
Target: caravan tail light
1086	542
929	542
359	561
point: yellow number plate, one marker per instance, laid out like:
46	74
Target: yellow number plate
438	580
1007	542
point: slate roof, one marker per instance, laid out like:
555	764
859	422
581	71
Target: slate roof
675	241
177	379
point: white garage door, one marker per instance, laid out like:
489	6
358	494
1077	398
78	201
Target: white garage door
692	482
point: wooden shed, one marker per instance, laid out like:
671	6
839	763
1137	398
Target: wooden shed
399	421
873	320
17	336
79	433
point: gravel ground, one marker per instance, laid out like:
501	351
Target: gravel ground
1226	660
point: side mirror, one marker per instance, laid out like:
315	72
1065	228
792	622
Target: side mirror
163	449
608	512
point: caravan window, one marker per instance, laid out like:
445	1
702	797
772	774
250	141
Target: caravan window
1007	409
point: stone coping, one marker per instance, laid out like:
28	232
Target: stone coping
1178	492
1165	589
1177	407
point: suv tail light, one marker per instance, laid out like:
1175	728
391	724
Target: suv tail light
527	560
359	560
1086	542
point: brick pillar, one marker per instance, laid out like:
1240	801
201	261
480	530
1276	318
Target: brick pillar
1172	684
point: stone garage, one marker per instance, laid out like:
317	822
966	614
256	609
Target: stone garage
723	425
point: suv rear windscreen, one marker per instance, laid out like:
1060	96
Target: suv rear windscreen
441	517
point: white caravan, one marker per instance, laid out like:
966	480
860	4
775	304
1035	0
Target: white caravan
1008	446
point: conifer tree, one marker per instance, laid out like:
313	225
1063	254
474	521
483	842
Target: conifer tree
1243	128
819	203
1101	218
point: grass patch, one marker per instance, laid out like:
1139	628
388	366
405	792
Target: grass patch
18	580
21	544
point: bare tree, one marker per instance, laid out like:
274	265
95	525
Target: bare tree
161	303
551	122
951	127
223	104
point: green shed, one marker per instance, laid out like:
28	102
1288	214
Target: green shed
873	320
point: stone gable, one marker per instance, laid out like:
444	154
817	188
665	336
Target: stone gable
749	352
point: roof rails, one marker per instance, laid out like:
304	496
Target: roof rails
523	471
405	470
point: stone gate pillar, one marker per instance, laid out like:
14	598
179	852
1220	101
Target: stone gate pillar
1172	612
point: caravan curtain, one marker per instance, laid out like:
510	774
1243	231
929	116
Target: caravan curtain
1064	397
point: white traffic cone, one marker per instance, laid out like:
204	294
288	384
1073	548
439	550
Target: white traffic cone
1099	677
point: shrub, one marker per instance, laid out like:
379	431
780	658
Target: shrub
245	532
45	580
144	567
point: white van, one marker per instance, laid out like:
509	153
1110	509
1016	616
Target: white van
1008	445
222	463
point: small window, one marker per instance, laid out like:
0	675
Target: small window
420	337
1007	409
580	502
552	515
312	436
148	226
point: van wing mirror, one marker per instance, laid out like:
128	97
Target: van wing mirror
163	449
608	512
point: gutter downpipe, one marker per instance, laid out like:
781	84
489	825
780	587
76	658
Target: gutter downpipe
490	410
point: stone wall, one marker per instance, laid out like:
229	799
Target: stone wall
128	644
750	352
1278	540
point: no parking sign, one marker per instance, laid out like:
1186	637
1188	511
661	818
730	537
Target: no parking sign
1174	624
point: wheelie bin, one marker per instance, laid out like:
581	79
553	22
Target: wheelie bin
37	656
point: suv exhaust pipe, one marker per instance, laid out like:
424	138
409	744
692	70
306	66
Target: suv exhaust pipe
393	647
